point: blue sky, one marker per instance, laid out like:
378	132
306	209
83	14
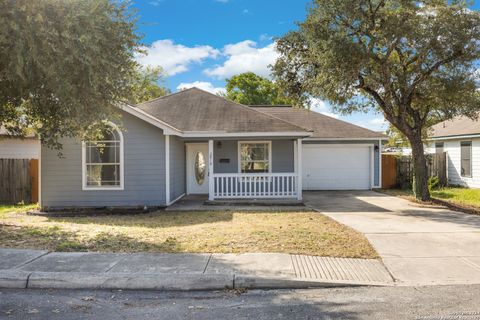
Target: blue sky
203	42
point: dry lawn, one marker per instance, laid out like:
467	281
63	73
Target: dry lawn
222	232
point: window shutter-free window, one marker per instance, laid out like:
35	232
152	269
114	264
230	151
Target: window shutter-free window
102	161
439	147
466	158
254	157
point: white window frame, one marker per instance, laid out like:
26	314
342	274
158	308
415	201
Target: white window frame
240	155
470	162
84	164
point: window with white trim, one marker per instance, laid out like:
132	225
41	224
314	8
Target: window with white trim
103	161
255	157
466	158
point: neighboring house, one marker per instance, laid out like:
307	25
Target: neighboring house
194	142
12	147
460	138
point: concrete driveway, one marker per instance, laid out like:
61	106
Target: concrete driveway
419	245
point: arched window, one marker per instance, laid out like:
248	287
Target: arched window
103	161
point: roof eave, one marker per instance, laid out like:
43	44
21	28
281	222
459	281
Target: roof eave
453	137
346	139
223	134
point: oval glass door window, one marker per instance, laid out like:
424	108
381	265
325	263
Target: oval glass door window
200	168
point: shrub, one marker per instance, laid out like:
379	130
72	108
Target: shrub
433	183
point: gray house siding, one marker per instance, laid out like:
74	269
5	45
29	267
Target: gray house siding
282	156
144	170
177	168
376	155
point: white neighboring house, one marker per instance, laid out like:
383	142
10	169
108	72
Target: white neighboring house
460	138
12	147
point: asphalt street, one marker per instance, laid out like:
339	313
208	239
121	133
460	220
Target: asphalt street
433	302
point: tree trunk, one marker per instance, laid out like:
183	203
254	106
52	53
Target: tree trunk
420	185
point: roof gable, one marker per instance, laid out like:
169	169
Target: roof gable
456	127
195	110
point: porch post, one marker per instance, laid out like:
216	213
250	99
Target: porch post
211	186
299	170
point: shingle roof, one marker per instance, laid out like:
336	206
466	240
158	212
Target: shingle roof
322	126
5	133
199	111
456	127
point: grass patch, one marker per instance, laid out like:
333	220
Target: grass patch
453	195
220	232
4	209
462	196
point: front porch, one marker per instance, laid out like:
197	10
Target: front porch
234	169
255	185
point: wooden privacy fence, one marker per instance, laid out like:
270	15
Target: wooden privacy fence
397	171
18	181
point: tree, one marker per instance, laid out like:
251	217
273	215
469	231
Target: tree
146	85
396	138
411	60
64	64
251	89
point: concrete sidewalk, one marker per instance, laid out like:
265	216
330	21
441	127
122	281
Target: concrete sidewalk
159	271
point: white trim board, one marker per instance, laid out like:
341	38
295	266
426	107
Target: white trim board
465	136
167	169
176	199
221	134
344	139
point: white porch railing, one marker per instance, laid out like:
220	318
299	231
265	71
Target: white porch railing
255	185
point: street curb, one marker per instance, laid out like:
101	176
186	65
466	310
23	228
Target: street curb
13	279
250	282
167	282
10	279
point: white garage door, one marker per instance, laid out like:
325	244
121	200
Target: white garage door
336	167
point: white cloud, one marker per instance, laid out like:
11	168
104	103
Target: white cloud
175	58
243	57
207	86
320	106
155	3
264	37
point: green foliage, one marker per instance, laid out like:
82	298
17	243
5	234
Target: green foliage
146	85
70	246
433	183
250	89
414	61
396	138
64	64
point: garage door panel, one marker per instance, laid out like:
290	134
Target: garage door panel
336	167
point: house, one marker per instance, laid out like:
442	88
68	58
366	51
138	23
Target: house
194	142
460	139
12	147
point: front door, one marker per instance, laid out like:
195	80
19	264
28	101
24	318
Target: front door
197	168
